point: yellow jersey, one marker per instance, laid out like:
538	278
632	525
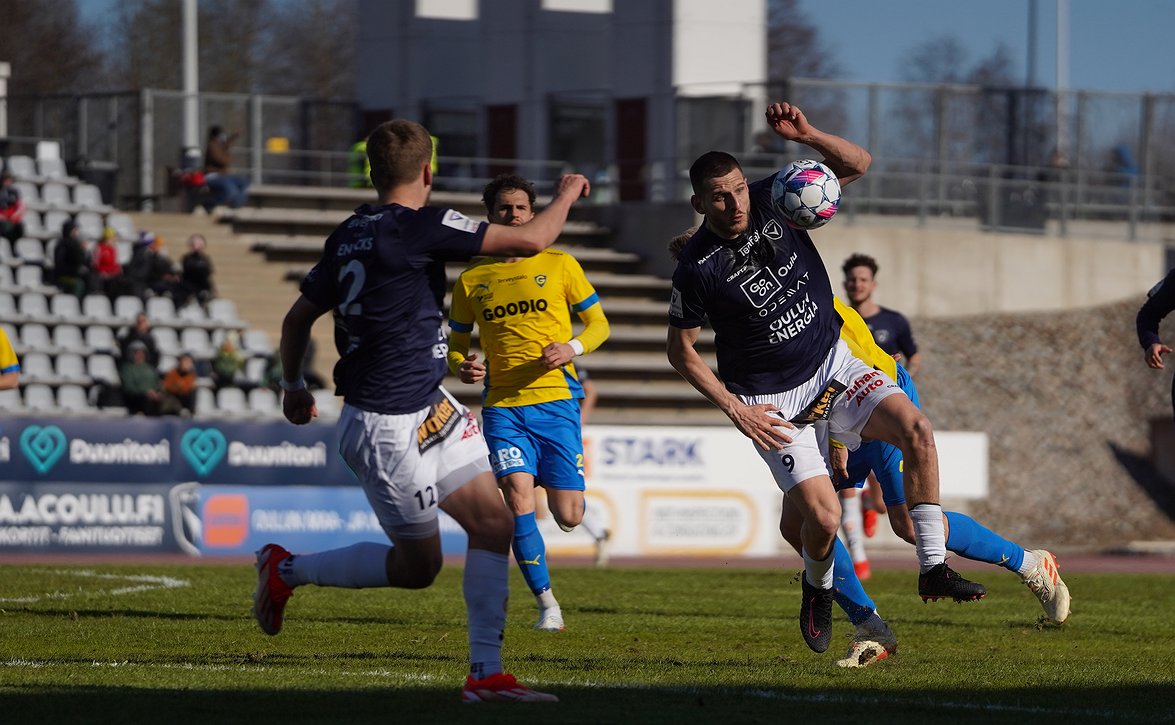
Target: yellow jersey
521	307
856	335
8	360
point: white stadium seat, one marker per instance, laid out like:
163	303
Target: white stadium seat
39	398
100	339
72	399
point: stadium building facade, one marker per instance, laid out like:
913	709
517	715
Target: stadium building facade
619	90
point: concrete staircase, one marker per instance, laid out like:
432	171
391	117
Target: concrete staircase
260	253
256	285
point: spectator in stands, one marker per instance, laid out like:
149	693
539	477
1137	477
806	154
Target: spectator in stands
9	364
225	188
138	269
140	333
141	391
11	209
196	273
69	261
179	387
227	365
890	328
150	272
107	271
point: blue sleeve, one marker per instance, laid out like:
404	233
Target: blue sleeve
1159	303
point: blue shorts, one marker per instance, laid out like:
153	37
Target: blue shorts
544	440
883	459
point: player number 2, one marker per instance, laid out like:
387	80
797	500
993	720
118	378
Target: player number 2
355	270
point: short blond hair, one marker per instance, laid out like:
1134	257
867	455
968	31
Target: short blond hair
398	150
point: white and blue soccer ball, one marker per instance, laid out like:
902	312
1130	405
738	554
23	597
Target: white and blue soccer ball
807	192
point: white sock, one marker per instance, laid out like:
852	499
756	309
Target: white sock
592	525
358	566
485	584
930	540
1030	560
850	522
818	573
546	600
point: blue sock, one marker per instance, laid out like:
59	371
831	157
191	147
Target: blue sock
531	553
971	539
846	587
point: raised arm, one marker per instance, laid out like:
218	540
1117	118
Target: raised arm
542	231
846	159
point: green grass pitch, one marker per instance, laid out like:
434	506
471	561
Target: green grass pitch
160	643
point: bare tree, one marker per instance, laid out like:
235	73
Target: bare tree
795	49
794	46
310	49
49	47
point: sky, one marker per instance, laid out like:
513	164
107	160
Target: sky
1114	45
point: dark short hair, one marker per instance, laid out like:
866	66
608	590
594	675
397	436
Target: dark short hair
502	182
214	131
398	150
860	260
711	165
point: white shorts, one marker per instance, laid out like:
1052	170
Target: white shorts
409	463
838	400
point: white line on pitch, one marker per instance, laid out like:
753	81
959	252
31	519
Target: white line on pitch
144	582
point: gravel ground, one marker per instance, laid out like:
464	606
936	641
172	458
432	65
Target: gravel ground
1067	403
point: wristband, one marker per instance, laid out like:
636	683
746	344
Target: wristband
299	384
576	345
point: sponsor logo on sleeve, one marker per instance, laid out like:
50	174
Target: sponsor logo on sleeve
456	220
675	303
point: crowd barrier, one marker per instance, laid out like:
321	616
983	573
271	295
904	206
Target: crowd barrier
225	488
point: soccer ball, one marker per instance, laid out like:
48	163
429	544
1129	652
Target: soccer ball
807	192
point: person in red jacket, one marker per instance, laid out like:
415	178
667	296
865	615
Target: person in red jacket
104	263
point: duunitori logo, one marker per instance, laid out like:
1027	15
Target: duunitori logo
204	448
43	446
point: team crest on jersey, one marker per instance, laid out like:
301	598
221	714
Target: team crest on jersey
456	220
773	230
540	279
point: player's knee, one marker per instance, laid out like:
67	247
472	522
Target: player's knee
918	435
492	530
825	520
418	573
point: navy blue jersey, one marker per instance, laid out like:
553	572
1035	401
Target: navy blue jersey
382	272
767	296
1160	301
891	332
